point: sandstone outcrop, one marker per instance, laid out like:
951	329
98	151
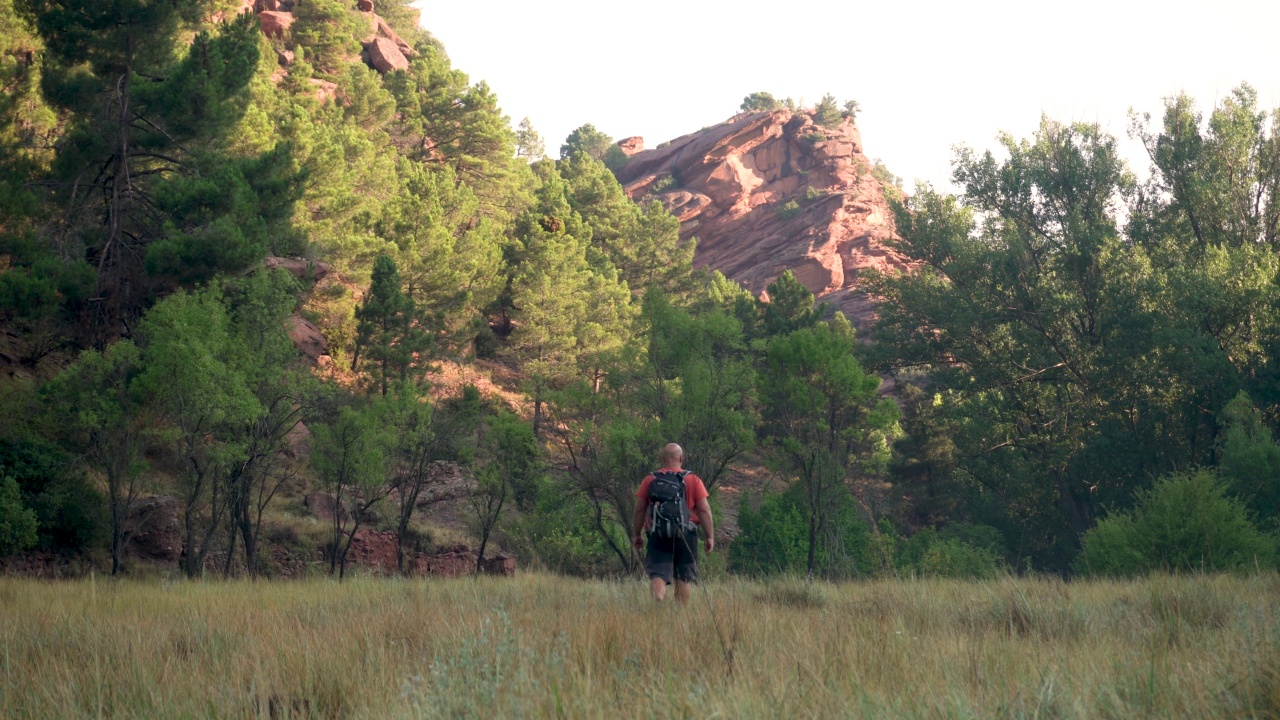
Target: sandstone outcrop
384	56
772	191
307	338
275	23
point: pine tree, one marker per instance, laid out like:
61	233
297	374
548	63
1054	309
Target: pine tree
389	336
139	170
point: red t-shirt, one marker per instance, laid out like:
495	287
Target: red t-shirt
694	491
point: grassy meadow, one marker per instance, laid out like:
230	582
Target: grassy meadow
543	646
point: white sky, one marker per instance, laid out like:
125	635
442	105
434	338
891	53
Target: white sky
928	74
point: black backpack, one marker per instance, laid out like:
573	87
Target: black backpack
668	511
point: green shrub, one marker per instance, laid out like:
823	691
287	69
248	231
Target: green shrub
1184	523
759	102
812	194
662	183
71	514
813	138
788	210
771	539
17	523
615	159
930	553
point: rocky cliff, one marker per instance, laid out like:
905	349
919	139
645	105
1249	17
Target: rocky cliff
772	191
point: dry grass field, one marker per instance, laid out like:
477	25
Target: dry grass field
542	646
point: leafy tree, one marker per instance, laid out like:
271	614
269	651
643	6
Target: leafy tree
349	454
699	383
70	511
823	418
529	145
588	141
759	102
1250	459
571	313
507	459
1220	177
422	436
1028	320
851	110
191	380
108	422
772	537
285	395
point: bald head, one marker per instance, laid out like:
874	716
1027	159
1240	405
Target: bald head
672	455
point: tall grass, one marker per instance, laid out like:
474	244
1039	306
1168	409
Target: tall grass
543	646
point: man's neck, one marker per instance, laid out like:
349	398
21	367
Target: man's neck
672	467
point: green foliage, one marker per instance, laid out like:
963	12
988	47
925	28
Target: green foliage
759	102
586	140
1250	459
529	145
790	306
827	112
390	339
772	537
328	29
930	553
1185	523
788	210
823	419
851	110
17	523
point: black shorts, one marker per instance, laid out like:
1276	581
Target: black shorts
665	554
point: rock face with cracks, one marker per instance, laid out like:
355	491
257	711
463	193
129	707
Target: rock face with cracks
774	191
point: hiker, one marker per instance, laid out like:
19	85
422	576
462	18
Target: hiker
672	504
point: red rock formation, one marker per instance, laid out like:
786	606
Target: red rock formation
307	338
384	56
632	145
772	191
275	23
377	549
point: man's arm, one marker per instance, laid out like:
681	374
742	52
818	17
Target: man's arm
637	523
703	508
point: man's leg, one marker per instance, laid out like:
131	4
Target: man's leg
658	588
659	566
683	591
686	565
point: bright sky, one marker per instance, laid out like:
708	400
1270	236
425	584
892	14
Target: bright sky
929	75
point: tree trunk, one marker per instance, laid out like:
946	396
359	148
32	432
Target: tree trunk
813	540
537	412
